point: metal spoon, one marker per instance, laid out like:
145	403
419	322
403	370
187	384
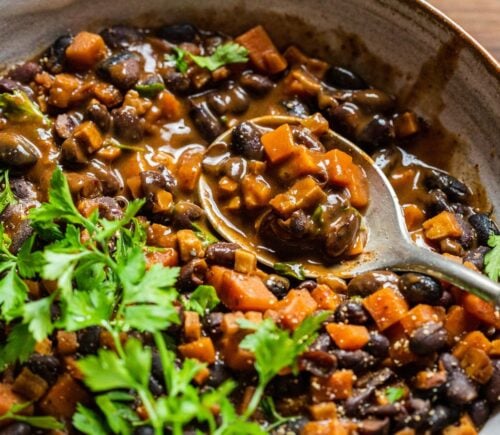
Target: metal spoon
389	245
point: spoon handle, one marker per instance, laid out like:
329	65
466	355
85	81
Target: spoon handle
422	260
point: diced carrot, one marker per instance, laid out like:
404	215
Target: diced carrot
414	216
8	398
62	398
240	292
464	427
161	236
134	184
85	50
428	379
192	325
65	90
358	187
169	105
71	366
406	124
386	306
189	169
402	177
261	50
304	193
325	297
443	225
295	56
337	386
202	376
67	342
165	257
316	124
477	364
481	309
295	307
338	165
324	427
278	144
256	191
302	162
301	82
29	385
88	136
399	350
421	314
163	201
201	349
495	348
323	411
190	246
348	337
458	322
474	339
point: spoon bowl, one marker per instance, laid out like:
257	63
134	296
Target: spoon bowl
389	245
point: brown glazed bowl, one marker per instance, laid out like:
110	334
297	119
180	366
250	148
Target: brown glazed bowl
403	46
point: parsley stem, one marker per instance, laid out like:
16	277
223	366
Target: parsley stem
255	401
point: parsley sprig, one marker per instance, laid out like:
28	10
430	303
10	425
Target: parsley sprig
492	258
18	107
42	422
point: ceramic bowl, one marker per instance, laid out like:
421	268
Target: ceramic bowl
403	46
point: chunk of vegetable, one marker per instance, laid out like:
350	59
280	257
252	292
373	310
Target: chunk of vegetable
481	309
256	191
443	225
421	314
189	169
358	187
278	144
325	297
348	337
477	365
240	292
302	162
295	307
62	398
85	50
414	216
458	322
337	386
202	349
386	306
261	50
475	339
338	166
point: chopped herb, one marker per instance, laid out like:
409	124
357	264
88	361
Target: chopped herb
18	107
277	419
203	299
45	422
492	258
204	235
393	394
293	270
224	54
149	90
112	142
6	196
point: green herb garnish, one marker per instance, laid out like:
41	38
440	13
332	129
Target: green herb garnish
43	422
393	394
203	299
112	142
6	196
19	108
492	258
293	270
149	90
204	235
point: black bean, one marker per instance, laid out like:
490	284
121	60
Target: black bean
246	141
99	114
441	416
308	284
257	84
373	427
144	430
460	390
212	323
192	275
108	207
293	385
156	367
344	118
45	366
369	282
25	73
377	133
73	153
484	227
17	428
65	124
357	403
17	151
418	410
295	107
351	311
378	346
318	363
121	69
127	124
278	285
89	340
438	202
8	86
479	412
110	179
476	256
357	360
155	386
303	136
420	289
175	81
446	299
56	55
152	181
177	33
23	189
231	98
218	374
468	237
452	187
341	232
342	78
492	388
185	213
375	379
221	253
323	342
428	338
205	120
120	36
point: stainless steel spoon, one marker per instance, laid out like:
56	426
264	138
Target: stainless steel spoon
389	245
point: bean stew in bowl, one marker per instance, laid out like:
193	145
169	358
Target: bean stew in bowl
123	312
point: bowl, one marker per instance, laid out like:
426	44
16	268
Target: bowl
402	46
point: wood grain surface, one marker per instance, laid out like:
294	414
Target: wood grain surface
480	18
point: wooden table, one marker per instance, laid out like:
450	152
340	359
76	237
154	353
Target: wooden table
480	18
